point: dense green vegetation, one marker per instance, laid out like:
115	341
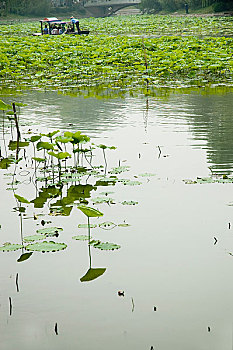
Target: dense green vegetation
191	56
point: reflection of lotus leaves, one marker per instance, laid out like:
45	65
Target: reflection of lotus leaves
209	180
5	163
10	247
81	238
46	246
24	257
13	145
44	195
92	274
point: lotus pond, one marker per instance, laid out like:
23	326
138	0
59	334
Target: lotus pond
122	53
116	193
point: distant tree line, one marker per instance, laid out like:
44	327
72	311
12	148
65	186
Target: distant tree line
36	7
154	6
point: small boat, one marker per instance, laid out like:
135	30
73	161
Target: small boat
54	26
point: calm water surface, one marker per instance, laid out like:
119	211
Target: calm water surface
177	283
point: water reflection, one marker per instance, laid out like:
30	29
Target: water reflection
206	117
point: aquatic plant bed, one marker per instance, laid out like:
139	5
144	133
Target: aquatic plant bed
123	61
62	175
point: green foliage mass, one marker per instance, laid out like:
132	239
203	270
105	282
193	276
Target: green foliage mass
189	56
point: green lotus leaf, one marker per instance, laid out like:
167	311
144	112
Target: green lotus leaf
92	274
46	246
50	231
104	246
34	238
107	225
20	104
80	238
4	106
39	160
63	139
90	212
21	199
51	134
86	226
35	138
60	155
10	247
44	145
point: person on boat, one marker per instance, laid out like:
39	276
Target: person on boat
60	29
75	22
46	30
55	30
68	30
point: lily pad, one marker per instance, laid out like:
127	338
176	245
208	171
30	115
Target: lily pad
132	183
33	238
119	169
50	231
107	225
104	245
80	238
46	246
129	203
86	226
124	225
99	200
8	247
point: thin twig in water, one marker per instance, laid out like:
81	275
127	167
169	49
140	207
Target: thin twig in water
16	282
159	152
55	329
10	302
132	304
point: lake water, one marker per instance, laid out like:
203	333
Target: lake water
173	266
